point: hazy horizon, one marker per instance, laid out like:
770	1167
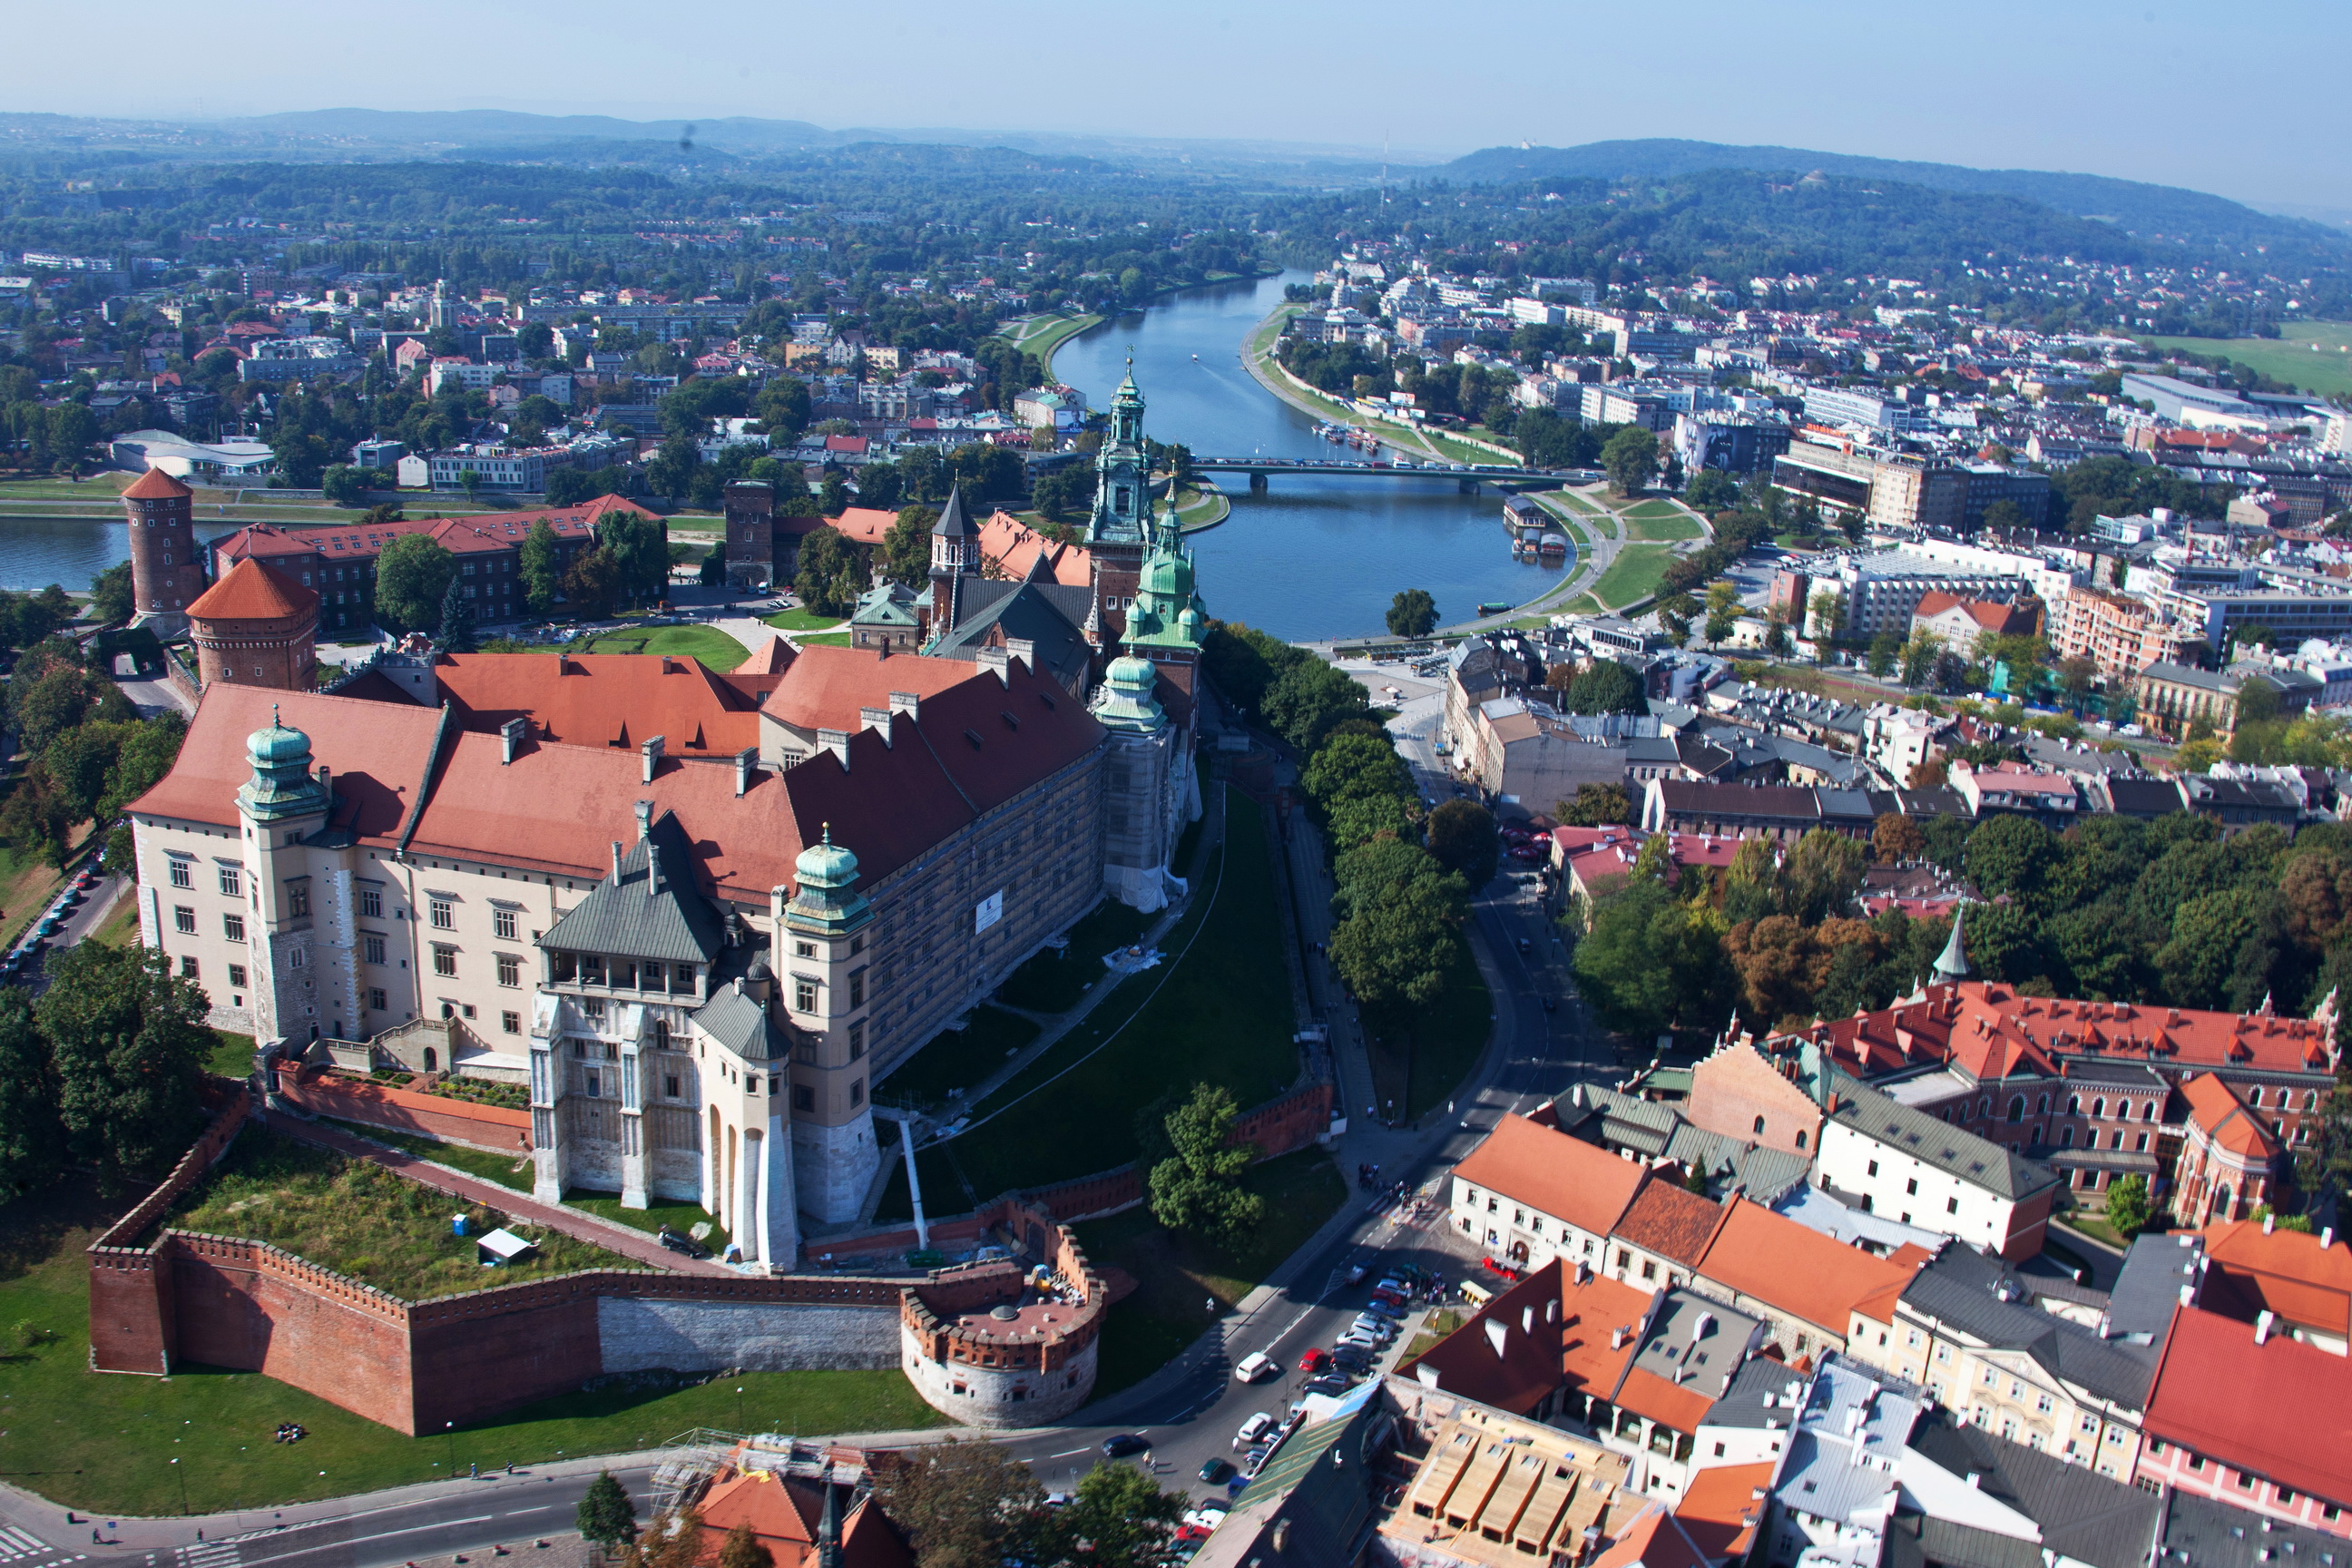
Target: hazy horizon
2091	88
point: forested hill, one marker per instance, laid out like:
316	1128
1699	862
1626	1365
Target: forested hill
2150	211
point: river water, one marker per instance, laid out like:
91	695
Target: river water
36	551
1313	556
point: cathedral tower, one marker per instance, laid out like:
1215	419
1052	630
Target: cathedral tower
1120	526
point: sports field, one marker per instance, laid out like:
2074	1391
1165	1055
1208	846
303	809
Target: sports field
2316	357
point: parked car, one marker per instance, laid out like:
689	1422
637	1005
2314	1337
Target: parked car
1379	1327
1216	1472
1314	1360
1253	1461
1330	1383
1254	1366
1122	1444
679	1242
1358	1338
1256	1427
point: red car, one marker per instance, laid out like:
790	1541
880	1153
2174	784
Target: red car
1315	1361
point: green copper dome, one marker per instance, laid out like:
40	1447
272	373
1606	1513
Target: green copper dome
827	901
1126	700
826	864
281	785
276	743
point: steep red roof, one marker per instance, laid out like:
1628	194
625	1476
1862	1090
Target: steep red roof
863	524
2287	1272
1721	1510
1797	1270
2280	1409
825	686
785	1517
1675	1223
254	590
1655	1539
2224	1120
155	485
603	699
1565	1177
1546	1330
1011	547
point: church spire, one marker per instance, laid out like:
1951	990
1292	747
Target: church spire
1952	963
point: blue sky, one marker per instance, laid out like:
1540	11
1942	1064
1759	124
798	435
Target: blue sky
2241	100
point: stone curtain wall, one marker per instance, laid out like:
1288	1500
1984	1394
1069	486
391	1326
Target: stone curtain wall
131	1309
492	1128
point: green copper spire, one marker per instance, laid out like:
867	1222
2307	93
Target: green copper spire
1166	615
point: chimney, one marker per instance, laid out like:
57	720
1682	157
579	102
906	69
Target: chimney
650	752
645	820
1552	1310
1583	1272
1976	1479
617	859
1618	1336
1497	1332
511	735
876	719
2327	1236
2269	1221
746	761
906	702
995	658
1023	649
837	742
2264	1321
326	779
1527	1319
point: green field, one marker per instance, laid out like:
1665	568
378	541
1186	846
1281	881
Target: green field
820	639
1633	574
2316	357
1660	521
104	1443
1053	981
504	1170
709	644
1176	1274
1041	335
801	620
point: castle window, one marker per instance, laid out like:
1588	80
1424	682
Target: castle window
592	1007
184	919
856	1041
804	1097
510	969
182	873
187	967
857	987
445	914
444	961
371	947
233	927
857	1091
804	996
232	881
372	903
297	897
669	1085
596	1085
511	1022
502	923
237	976
376	1000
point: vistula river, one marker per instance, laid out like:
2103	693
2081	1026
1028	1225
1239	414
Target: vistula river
1313	556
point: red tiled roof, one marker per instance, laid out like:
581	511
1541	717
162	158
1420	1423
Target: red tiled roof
1720	1509
2281	1410
1553	1332
603	699
825	686
1565	1177
155	485
1675	1223
1647	1395
470	534
254	590
785	1517
2224	1120
1797	1270
863	524
1012	546
2286	1271
1655	1539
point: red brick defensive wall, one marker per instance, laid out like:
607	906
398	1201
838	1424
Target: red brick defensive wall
324	1093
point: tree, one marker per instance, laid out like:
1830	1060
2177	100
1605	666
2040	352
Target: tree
110	600
1885	649
1596	805
1606	687
605	1515
831	573
1352	766
1825	614
1822	875
32	1139
1711	489
344	486
640	550
2127	1205
129	1043
1398	935
1309	698
962	1503
1651	962
906	547
1198	1188
1461	837
1675	614
1896	837
1919	656
411	575
1412	614
536	564
742	1548
593	583
456	632
1630	458
1122	1517
2012	855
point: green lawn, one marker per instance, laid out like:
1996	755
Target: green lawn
1433	1328
1418	1063
956	1059
505	1170
802	620
1222	1014
679	1216
1053	981
232	1056
103	1442
1041	335
1176	1274
1634	574
821	639
360	1220
2316	357
1583	605
119	928
1660	521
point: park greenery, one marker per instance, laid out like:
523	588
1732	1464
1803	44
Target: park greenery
970	1504
1197	1186
88	752
1412	614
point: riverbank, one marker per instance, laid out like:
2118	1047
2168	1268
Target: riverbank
1258	359
1041	335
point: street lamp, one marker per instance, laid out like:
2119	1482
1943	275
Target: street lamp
184	1487
449	1428
738	1412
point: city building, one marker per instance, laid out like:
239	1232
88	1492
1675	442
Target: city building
1889	1158
2230	1162
256	627
2120	633
1883	589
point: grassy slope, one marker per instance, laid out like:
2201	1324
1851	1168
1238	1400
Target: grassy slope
2289	357
956	1059
1633	574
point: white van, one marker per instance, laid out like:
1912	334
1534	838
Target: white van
1252	1367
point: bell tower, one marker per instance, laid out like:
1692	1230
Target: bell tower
955	556
1120	526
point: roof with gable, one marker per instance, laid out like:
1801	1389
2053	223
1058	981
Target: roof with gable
2280	1409
2285	1271
863	525
1013	549
1932	1140
1688	1356
786	1514
1043	613
826	685
473	534
1564	1177
2084	1516
2001	620
2224	1120
254	590
1721	1508
620	700
648	907
1980	1297
1793	1269
1655	1539
1989	1028
1546	1330
155	485
1675	1223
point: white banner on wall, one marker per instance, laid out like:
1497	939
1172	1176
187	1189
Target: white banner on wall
990	910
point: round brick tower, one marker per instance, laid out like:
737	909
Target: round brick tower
166	572
257	627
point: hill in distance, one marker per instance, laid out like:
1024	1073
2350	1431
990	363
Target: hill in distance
2143	209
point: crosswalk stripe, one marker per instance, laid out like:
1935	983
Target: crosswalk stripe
29	1542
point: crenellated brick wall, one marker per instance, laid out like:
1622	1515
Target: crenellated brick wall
323	1094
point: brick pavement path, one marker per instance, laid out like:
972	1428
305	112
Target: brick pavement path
637	1244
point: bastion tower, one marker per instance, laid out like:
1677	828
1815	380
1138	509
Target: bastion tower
166	572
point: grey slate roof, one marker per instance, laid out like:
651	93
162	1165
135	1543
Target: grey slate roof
1759	1378
651	910
1658	1131
2201	1533
1049	615
1915	1541
1960	1289
740	1024
1932	1140
2148	1287
2082	1514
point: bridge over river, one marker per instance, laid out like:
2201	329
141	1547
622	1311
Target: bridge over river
1467	477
